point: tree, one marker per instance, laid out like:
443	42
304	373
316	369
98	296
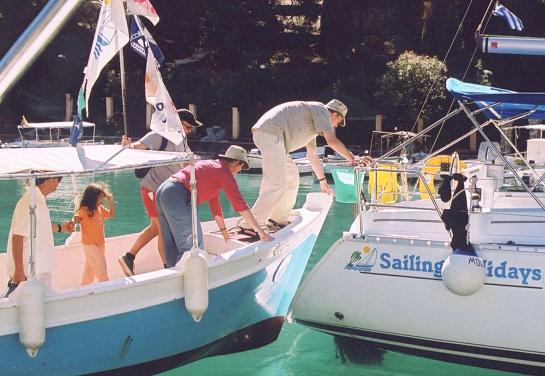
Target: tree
407	83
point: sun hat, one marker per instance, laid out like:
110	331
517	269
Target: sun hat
186	115
338	106
236	153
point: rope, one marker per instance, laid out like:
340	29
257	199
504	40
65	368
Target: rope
469	62
444	63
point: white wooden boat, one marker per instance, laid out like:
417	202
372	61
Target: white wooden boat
48	134
140	324
255	158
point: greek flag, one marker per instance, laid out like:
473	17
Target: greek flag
513	21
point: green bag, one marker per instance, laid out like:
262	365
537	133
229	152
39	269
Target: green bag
345	187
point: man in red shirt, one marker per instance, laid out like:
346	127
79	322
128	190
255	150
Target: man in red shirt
174	201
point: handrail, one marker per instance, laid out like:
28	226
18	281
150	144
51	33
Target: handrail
415	137
498	152
416	172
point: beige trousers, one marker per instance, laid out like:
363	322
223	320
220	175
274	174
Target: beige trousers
95	264
280	182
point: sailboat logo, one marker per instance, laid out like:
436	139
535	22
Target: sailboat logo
362	261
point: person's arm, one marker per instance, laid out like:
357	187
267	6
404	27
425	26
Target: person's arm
317	168
67	226
111	205
126	141
17	254
138	145
338	146
250	219
221	225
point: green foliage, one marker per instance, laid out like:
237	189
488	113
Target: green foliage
407	83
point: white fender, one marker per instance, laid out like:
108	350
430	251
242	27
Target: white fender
196	285
31	315
463	273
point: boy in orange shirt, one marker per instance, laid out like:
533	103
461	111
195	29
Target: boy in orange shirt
91	216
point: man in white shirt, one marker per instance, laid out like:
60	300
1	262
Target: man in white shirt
18	249
281	130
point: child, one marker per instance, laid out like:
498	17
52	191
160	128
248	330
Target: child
91	216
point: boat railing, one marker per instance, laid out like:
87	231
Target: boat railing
506	163
364	206
403	192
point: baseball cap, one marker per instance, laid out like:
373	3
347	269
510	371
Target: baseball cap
186	115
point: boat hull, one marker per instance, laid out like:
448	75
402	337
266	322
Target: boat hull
140	324
166	331
389	291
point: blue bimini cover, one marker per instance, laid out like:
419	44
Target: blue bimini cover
507	103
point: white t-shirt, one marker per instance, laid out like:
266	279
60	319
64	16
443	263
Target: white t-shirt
300	122
20	225
157	175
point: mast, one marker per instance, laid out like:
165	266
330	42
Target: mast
33	41
123	91
123	85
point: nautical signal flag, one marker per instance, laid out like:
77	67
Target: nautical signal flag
142	41
76	132
513	21
143	8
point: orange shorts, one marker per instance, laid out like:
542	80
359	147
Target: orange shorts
148	198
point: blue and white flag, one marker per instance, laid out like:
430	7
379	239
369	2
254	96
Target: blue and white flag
76	132
513	21
110	36
141	41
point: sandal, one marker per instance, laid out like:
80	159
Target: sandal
249	235
274	226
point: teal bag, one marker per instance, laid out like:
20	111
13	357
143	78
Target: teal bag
345	187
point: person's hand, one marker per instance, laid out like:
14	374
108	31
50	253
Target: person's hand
68	226
325	187
364	159
125	141
264	235
225	235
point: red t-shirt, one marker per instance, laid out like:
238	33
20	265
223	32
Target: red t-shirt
213	175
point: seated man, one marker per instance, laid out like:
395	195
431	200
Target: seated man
18	249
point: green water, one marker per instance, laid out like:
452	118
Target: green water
298	351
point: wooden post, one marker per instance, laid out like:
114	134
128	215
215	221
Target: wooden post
378	122
69	107
473	142
109	108
149	113
236	123
419	125
193	108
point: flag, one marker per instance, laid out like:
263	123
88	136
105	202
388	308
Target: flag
143	8
165	119
151	80
110	36
76	132
80	104
513	21
141	41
